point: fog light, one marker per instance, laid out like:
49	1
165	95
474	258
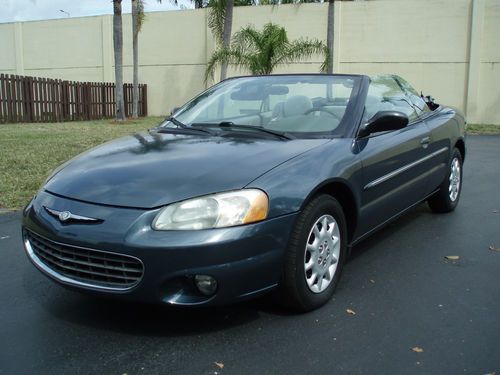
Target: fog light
207	285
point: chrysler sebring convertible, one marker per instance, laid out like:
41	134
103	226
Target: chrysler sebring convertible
259	183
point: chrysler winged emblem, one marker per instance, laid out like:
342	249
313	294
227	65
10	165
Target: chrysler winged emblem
65	216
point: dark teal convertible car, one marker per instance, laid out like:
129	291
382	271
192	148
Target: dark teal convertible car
257	184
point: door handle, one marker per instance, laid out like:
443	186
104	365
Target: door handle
425	141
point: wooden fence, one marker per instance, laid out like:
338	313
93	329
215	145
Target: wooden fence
32	99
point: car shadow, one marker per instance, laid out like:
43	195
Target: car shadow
158	320
142	319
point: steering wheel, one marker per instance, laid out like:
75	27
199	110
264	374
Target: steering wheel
320	109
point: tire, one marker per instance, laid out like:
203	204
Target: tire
448	195
306	290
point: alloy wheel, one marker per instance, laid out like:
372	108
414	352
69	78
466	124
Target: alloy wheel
322	253
454	187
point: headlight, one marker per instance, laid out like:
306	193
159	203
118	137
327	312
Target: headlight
214	211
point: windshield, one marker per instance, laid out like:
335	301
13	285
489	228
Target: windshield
302	105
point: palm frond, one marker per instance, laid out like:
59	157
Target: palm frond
141	16
303	49
172	1
276	42
216	18
228	56
327	61
239	3
247	39
261	51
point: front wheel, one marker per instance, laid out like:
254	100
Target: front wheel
315	255
446	198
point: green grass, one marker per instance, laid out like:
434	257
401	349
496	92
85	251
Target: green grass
29	152
483	129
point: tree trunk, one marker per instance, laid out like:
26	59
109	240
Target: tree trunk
118	49
135	47
226	36
329	33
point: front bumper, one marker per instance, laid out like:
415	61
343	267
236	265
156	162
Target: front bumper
245	260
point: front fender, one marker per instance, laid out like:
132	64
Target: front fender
291	184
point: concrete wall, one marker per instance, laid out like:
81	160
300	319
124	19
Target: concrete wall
487	94
449	48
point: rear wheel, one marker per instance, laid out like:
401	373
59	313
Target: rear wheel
446	198
315	255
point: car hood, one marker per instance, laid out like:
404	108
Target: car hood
152	169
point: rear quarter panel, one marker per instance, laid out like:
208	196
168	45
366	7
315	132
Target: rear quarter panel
447	127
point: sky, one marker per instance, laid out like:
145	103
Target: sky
29	10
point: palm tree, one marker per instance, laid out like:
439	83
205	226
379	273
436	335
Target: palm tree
137	21
138	17
261	51
330	23
118	49
226	36
220	21
329	34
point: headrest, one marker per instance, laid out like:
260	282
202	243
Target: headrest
297	105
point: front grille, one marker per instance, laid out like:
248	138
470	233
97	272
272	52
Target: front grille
86	266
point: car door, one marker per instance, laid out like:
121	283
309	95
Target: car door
439	123
393	162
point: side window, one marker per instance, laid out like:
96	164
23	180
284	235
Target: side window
417	101
385	94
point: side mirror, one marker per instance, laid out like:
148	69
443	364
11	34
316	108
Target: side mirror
384	121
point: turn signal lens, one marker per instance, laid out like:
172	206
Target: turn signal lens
258	210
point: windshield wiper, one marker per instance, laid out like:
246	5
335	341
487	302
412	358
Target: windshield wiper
180	125
176	122
232	125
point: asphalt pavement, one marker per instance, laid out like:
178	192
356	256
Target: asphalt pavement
412	311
